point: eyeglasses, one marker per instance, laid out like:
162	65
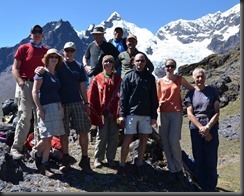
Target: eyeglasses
69	50
108	61
36	31
170	66
53	57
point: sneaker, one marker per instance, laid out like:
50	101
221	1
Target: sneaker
85	165
97	164
140	173
16	154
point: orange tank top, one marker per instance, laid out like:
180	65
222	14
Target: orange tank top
169	95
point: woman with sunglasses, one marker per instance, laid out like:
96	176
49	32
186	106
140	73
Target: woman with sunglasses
49	109
170	117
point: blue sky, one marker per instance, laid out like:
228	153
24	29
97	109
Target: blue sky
17	17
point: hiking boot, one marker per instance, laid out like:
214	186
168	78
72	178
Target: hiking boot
97	164
17	155
68	160
111	164
85	165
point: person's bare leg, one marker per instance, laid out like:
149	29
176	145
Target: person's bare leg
83	140
125	148
142	148
85	160
64	140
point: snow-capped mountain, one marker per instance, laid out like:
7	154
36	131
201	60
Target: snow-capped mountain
187	41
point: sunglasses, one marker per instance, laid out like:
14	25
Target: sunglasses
53	57
140	60
36	31
69	50
108	61
170	66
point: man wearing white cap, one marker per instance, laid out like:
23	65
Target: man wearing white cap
76	108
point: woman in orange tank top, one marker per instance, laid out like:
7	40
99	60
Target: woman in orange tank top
170	116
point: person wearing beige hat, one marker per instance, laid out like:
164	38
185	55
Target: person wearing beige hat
92	60
125	59
50	114
27	57
73	93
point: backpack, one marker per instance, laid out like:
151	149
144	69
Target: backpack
9	107
7	134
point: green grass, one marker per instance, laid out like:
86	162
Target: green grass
232	108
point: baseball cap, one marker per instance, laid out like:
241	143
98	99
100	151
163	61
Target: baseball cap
36	27
70	45
131	37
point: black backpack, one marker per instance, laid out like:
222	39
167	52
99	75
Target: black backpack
9	107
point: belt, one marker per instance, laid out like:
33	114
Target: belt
28	79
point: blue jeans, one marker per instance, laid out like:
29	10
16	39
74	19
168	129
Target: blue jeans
205	155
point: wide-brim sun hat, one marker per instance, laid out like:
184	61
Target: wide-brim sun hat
52	51
98	30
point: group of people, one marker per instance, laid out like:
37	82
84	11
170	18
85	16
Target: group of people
113	87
